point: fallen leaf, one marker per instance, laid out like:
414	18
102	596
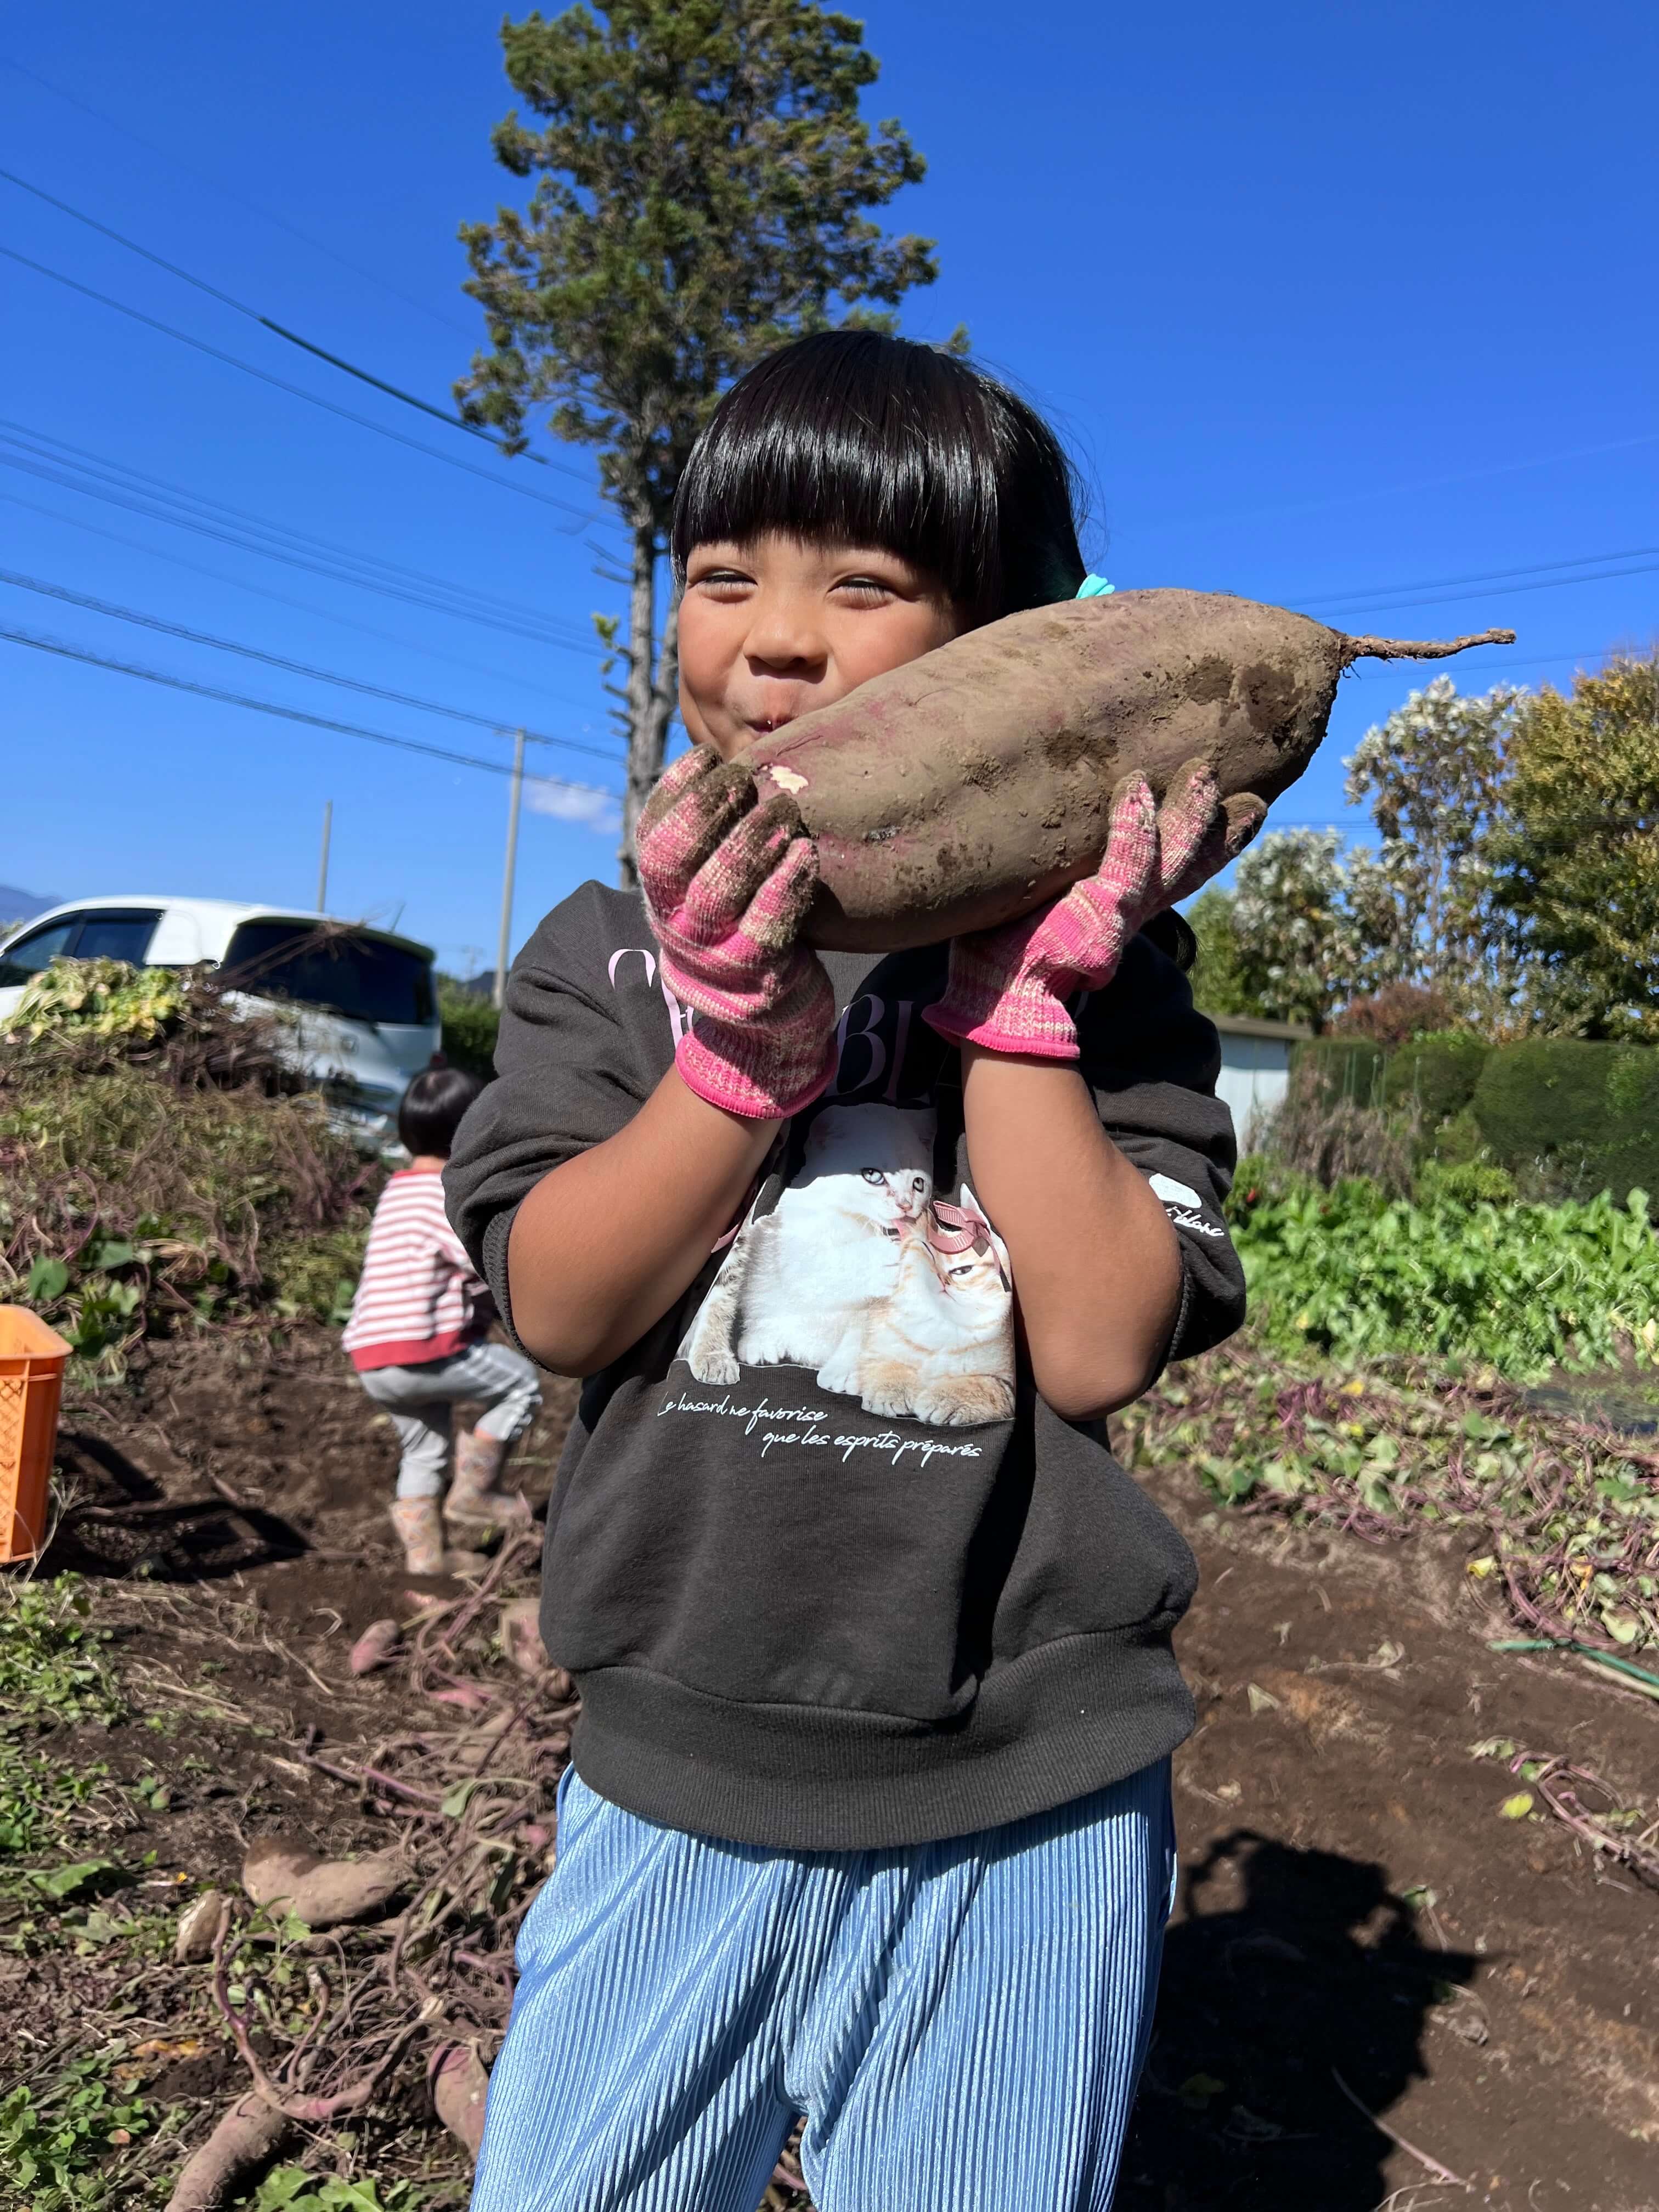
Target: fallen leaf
1262	1701
158	2047
1518	1807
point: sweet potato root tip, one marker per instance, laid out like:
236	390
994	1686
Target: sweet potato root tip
459	2084
249	2135
1406	648
324	1893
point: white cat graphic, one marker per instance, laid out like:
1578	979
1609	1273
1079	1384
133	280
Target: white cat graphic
856	1275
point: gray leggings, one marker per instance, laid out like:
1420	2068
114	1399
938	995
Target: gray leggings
421	1402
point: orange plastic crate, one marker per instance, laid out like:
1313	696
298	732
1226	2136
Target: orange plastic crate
32	1358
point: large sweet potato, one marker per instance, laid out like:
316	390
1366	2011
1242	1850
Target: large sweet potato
968	786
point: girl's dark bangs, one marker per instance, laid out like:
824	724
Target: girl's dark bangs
851	437
878	440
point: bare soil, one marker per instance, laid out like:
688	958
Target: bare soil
1374	1980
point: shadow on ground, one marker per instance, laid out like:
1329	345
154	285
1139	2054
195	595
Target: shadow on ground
120	1522
1288	1969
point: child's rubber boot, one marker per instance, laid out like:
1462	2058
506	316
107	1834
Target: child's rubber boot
420	1532
474	1501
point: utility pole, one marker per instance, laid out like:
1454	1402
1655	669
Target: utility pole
322	864
504	944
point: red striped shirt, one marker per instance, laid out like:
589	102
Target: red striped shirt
418	1299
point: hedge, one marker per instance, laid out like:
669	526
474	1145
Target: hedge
469	1024
1588	1113
1438	1073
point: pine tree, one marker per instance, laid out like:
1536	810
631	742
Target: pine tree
702	177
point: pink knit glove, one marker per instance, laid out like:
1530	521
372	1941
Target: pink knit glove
728	884
1007	987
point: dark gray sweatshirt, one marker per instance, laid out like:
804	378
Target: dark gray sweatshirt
828	1571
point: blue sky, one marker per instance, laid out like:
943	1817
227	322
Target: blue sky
1330	303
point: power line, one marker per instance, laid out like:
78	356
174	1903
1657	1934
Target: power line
282	598
284	714
281	329
584	516
1370	594
43	445
369	276
335	573
1452	599
1421	484
44	590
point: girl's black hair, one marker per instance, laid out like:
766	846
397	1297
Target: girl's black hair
1172	934
879	440
432	1108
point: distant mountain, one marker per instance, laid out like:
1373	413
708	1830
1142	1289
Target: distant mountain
18	906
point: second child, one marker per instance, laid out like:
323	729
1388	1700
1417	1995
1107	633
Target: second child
417	1339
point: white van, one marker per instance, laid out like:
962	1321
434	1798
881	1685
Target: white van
363	1008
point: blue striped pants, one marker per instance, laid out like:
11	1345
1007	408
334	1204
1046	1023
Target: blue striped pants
962	2023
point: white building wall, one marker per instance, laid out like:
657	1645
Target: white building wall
1254	1072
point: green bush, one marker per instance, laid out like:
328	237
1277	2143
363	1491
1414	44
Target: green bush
1435	1074
1464	1182
1522	1288
1347	1068
469	1024
1573	1117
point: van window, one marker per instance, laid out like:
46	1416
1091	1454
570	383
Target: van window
360	977
106	935
22	962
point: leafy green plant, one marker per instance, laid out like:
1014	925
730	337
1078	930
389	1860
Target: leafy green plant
316	1274
1522	1288
100	999
54	1663
38	1800
55	2146
291	2188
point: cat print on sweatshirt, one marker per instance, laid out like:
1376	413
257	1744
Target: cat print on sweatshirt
797	1278
888	1296
939	1346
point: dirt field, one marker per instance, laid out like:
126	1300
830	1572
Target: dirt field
1378	1988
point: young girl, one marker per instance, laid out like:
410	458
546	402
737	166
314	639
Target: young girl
870	1819
417	1339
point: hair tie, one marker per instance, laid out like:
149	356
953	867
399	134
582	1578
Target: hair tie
1094	587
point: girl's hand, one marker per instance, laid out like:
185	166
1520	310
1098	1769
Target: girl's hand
728	884
1007	987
